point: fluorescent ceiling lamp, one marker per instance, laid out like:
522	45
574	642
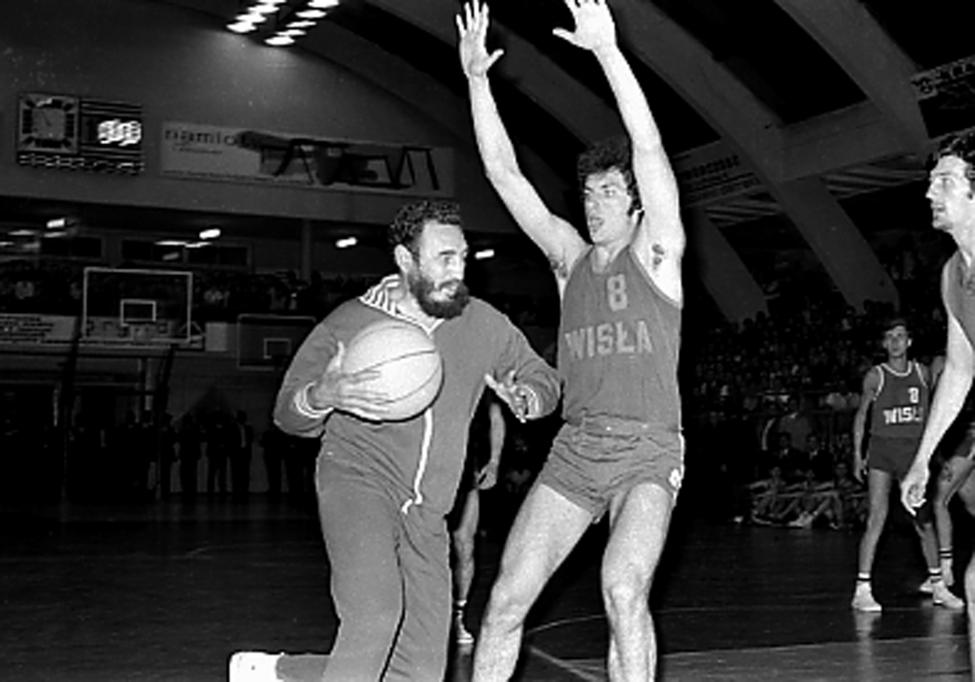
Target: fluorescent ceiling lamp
57	223
263	8
252	17
279	40
323	4
196	245
54	234
210	233
293	32
310	14
346	242
23	233
304	23
241	27
170	242
484	254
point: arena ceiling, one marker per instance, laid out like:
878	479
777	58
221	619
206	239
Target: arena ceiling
795	88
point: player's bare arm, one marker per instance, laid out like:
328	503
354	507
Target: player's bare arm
871	385
559	241
487	477
953	386
660	239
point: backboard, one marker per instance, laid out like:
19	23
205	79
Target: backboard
135	307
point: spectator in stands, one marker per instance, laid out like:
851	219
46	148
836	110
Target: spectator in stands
273	444
220	440
795	422
190	447
240	456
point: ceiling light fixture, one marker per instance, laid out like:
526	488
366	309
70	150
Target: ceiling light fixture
279	40
484	254
310	14
264	8
346	242
241	27
288	22
252	17
210	233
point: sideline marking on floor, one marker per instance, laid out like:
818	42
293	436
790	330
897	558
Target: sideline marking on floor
578	668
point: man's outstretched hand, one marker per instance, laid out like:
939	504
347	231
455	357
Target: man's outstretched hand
594	29
472	28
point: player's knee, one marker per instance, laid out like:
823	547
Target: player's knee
876	517
509	604
625	588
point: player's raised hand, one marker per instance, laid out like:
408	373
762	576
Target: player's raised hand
914	485
472	26
594	29
339	390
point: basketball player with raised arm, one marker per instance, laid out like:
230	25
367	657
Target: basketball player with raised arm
384	487
896	394
620	451
951	192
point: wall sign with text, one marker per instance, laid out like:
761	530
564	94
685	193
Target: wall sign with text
76	133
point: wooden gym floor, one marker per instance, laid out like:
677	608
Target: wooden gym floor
167	591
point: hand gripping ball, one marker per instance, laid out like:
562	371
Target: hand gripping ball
409	365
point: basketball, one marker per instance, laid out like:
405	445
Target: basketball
409	365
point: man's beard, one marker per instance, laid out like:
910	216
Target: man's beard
422	287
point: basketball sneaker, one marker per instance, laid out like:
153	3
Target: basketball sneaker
462	637
254	666
927	587
944	597
863	599
804	520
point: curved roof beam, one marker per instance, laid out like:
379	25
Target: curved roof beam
563	97
745	122
848	32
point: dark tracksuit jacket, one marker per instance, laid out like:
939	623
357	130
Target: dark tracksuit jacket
384	488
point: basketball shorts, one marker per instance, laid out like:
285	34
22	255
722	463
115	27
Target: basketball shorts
893	455
592	462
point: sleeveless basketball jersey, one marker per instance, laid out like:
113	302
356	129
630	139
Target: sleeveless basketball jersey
619	340
959	298
901	405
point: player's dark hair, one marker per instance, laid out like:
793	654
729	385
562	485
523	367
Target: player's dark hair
961	145
892	322
605	156
408	224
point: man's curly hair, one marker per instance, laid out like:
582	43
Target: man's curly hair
410	219
962	146
607	155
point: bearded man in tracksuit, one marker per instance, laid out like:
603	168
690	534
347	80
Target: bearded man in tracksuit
384	487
